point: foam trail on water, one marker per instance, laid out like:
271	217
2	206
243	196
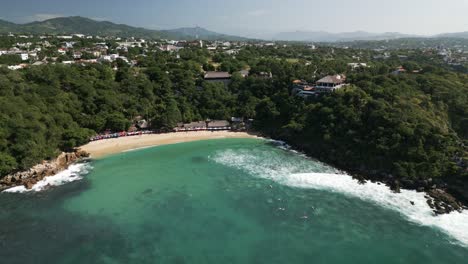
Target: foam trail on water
136	149
74	172
454	224
301	172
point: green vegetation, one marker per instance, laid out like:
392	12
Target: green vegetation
10	59
411	126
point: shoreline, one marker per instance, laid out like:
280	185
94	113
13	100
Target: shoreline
42	171
438	199
438	193
102	148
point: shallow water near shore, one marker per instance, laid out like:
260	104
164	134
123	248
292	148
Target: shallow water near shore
224	201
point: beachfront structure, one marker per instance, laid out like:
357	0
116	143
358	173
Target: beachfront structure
209	125
223	77
330	83
198	125
218	125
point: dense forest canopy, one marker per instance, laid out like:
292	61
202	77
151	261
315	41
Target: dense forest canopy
412	125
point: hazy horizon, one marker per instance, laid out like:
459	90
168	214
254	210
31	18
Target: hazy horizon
258	18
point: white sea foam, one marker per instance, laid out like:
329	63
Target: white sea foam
74	173
301	174
136	149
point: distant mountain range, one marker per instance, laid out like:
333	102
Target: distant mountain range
322	36
454	35
82	25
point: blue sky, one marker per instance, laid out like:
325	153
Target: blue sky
257	17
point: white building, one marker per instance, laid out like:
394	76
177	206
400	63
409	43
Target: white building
106	58
232	52
17	67
169	48
330	83
33	54
62	51
356	65
68	45
77	55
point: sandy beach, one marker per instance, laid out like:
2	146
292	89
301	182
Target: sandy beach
102	148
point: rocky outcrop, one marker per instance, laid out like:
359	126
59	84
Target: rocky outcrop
442	202
37	173
438	197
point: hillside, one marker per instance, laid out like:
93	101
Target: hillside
67	25
82	25
6	26
455	35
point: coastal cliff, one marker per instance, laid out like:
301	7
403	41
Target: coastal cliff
37	173
443	196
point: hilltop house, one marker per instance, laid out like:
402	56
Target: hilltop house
302	88
330	83
169	48
244	73
357	65
399	70
24	56
327	84
77	55
265	75
62	51
223	77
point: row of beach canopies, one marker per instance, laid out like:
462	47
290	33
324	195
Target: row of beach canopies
146	132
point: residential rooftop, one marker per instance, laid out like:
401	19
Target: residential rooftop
217	75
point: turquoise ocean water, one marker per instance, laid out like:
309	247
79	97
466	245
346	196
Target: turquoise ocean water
223	201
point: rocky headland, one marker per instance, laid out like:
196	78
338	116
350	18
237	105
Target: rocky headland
37	173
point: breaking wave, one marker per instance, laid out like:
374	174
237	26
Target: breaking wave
302	172
74	172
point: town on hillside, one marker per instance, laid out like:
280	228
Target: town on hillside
18	51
